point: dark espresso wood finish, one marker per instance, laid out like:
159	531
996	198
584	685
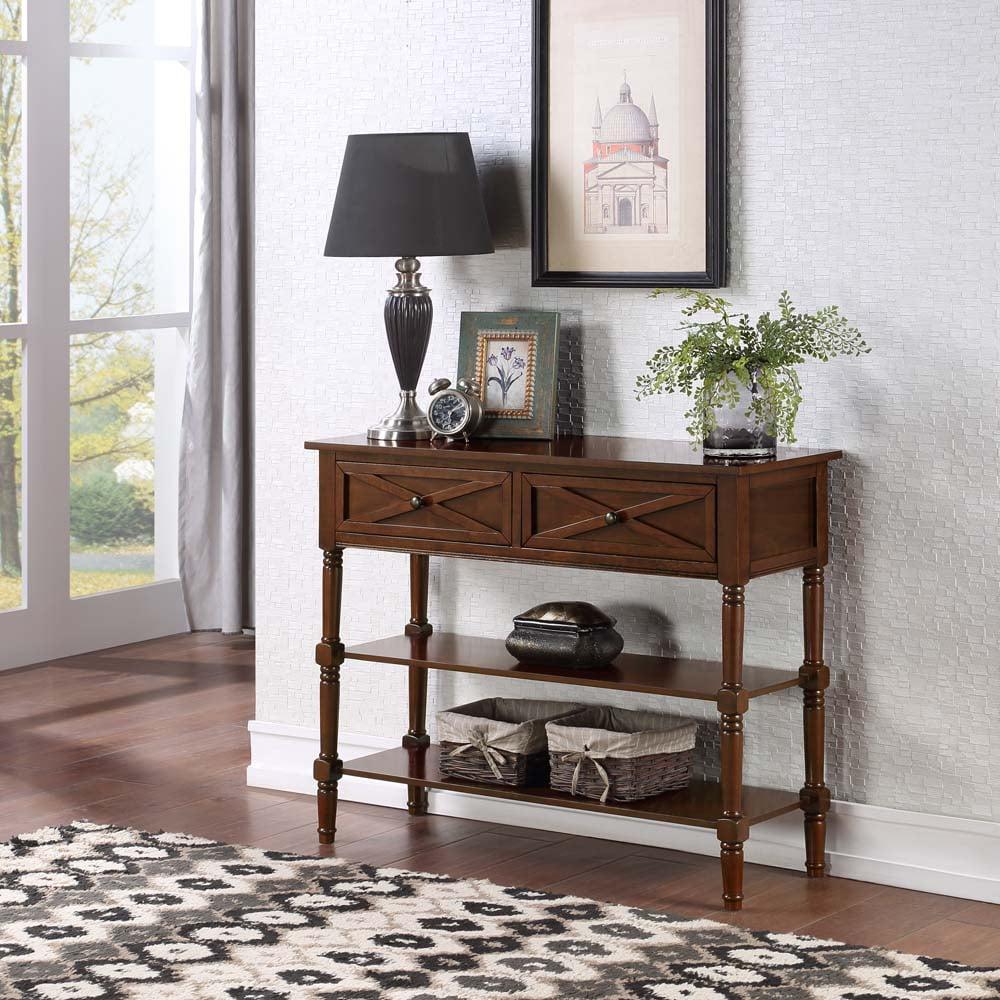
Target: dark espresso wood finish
330	657
676	678
654	507
815	678
418	628
696	805
411	502
732	827
601	516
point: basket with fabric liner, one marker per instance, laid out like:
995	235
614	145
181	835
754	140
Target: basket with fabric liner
500	741
617	755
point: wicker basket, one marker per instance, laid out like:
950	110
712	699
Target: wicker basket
499	741
615	755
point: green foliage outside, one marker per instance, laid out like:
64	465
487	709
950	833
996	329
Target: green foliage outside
104	510
87	16
82	583
111	374
724	352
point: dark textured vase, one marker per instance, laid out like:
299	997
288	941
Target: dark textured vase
408	326
408	314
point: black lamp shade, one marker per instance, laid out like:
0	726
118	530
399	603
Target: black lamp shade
410	194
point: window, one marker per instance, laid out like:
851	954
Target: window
10	475
11	281
95	273
130	196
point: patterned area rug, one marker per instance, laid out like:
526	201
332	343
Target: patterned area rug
91	912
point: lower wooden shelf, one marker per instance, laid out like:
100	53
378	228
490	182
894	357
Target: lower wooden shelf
661	675
700	804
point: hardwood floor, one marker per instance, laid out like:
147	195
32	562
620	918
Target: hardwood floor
154	735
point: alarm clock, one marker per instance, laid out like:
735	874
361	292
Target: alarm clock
454	412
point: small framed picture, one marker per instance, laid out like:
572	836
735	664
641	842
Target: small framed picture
514	357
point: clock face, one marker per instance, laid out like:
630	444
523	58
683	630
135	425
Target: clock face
449	412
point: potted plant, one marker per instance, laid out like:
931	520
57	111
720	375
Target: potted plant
740	376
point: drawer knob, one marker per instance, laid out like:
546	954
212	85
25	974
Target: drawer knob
611	518
416	502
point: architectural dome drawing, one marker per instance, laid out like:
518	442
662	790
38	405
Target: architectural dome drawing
625	178
625	122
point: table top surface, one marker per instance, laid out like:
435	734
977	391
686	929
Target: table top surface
592	449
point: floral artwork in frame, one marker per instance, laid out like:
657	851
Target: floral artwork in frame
505	368
513	356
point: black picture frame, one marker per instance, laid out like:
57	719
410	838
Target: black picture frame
714	275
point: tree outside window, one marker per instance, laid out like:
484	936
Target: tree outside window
113	275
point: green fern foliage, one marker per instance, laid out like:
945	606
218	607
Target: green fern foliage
723	352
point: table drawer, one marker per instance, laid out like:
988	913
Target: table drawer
619	517
399	501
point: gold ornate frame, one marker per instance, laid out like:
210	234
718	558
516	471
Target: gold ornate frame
482	341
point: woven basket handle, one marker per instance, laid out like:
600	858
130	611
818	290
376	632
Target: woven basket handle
587	754
490	753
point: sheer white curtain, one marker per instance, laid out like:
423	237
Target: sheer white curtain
215	527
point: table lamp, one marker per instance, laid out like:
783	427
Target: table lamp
408	195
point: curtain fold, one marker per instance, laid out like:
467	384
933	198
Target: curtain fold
215	510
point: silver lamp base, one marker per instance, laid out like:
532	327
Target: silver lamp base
407	423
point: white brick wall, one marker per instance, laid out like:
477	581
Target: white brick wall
864	172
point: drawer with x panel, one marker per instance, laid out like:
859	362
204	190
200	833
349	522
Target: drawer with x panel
654	520
398	501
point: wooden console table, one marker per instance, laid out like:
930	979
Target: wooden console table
623	504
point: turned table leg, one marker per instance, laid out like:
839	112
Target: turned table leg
732	829
814	679
329	768
416	737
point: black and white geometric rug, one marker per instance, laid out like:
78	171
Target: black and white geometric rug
93	912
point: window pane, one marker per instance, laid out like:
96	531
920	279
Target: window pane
111	461
126	396
10	475
131	22
11	131
11	20
130	181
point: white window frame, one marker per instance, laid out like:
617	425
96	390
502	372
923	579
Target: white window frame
51	624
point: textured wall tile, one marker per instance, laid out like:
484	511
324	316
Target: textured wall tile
864	171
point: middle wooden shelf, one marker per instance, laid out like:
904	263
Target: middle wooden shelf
661	675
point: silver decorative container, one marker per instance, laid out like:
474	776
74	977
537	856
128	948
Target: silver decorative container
738	434
565	634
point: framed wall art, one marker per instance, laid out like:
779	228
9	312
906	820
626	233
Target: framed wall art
514	357
629	143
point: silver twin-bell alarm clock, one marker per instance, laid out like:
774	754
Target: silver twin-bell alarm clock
454	412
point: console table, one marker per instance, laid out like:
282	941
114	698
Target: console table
622	504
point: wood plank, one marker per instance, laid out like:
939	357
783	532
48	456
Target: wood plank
700	804
420	833
573	858
974	944
673	677
987	914
798	901
697	895
301	839
464	858
885	917
632	881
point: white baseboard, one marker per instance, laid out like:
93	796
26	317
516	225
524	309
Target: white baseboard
941	854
